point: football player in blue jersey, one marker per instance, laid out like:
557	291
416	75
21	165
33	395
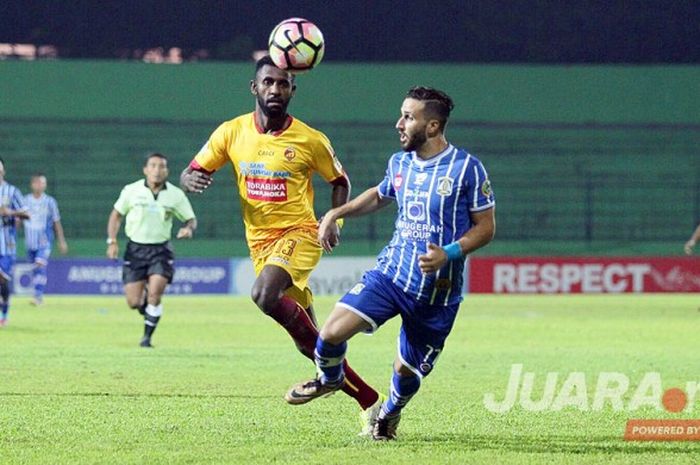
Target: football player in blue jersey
445	211
39	233
12	208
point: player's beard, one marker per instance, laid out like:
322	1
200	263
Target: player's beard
273	112
415	141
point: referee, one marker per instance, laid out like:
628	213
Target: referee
149	206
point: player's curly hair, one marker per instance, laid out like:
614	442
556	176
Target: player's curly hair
266	60
438	104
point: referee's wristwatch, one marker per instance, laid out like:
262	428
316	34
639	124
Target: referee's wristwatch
111	241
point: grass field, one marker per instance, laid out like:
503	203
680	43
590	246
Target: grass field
76	389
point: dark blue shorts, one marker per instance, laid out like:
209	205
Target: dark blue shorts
424	327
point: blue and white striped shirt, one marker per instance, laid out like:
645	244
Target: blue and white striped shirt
434	199
10	197
38	229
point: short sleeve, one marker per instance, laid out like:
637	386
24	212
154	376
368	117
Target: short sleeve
386	187
478	187
214	154
122	205
325	161
183	208
18	200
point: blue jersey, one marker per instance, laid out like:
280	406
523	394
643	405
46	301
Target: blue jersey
38	229
11	198
434	199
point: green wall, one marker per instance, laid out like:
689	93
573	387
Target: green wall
357	92
583	159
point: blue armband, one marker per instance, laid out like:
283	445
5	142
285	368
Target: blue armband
453	251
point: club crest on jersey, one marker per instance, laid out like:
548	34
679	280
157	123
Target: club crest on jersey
486	188
444	186
289	153
398	180
420	179
416	211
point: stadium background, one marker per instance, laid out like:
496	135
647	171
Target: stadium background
586	114
584	159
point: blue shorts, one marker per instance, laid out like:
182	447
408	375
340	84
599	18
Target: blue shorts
7	262
40	256
424	327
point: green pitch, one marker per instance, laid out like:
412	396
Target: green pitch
76	389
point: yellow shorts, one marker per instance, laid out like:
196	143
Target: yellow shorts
297	252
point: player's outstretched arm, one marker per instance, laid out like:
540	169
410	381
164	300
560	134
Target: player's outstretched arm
694	238
192	180
367	202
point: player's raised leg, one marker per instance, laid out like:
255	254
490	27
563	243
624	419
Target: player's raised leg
329	356
269	294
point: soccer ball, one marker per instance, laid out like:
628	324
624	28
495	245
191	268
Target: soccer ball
296	45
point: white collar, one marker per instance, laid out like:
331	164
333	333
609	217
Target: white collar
424	163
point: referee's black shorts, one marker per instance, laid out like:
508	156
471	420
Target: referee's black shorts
143	260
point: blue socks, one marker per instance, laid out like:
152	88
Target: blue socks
401	390
39	280
329	361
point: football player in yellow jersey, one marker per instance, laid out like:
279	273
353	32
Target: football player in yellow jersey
274	157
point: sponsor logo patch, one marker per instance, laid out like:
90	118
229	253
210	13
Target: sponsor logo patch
398	180
416	211
270	190
420	179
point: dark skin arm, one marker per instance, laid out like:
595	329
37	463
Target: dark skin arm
195	181
340	195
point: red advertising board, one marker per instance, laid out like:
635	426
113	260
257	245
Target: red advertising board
563	275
